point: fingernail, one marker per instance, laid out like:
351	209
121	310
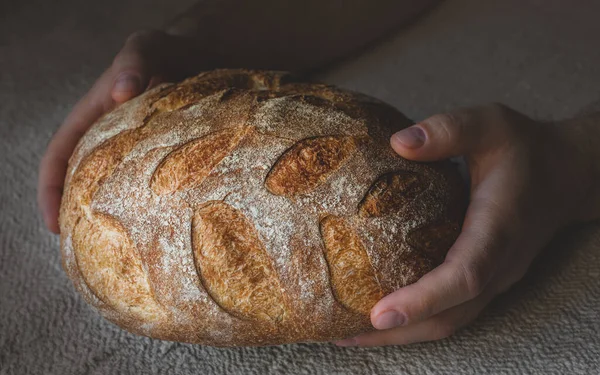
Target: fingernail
127	82
389	319
347	342
413	137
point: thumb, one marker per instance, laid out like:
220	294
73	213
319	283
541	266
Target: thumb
133	68
443	136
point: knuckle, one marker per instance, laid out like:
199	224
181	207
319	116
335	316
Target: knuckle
119	58
509	122
474	278
447	126
419	306
140	43
443	120
424	309
504	114
498	108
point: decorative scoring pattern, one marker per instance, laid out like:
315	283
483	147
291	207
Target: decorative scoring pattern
189	164
390	193
233	266
352	277
308	163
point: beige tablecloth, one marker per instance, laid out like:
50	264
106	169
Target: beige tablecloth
541	57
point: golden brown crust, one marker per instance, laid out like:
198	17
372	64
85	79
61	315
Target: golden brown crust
352	277
390	193
307	164
247	208
188	165
233	265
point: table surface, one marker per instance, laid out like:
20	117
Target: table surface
540	57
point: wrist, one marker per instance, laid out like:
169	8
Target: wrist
578	144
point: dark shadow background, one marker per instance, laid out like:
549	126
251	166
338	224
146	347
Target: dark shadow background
541	57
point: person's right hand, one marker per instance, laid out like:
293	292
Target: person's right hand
147	59
528	180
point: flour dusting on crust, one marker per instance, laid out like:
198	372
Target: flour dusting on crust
276	116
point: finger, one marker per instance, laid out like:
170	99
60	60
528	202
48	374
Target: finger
467	269
127	85
130	75
137	62
131	72
449	135
54	163
435	328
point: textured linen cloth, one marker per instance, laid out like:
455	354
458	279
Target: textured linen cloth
541	57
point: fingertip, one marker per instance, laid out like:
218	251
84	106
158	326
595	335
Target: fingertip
412	137
385	304
50	217
392	309
347	342
52	224
126	86
49	204
388	319
410	143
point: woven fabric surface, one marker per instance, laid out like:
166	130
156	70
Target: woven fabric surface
541	57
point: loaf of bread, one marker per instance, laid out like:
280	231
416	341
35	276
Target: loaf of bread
250	208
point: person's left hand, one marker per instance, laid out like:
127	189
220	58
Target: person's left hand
146	59
527	182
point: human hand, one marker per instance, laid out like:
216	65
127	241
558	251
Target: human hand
146	59
528	180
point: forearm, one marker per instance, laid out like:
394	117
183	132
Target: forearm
290	35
